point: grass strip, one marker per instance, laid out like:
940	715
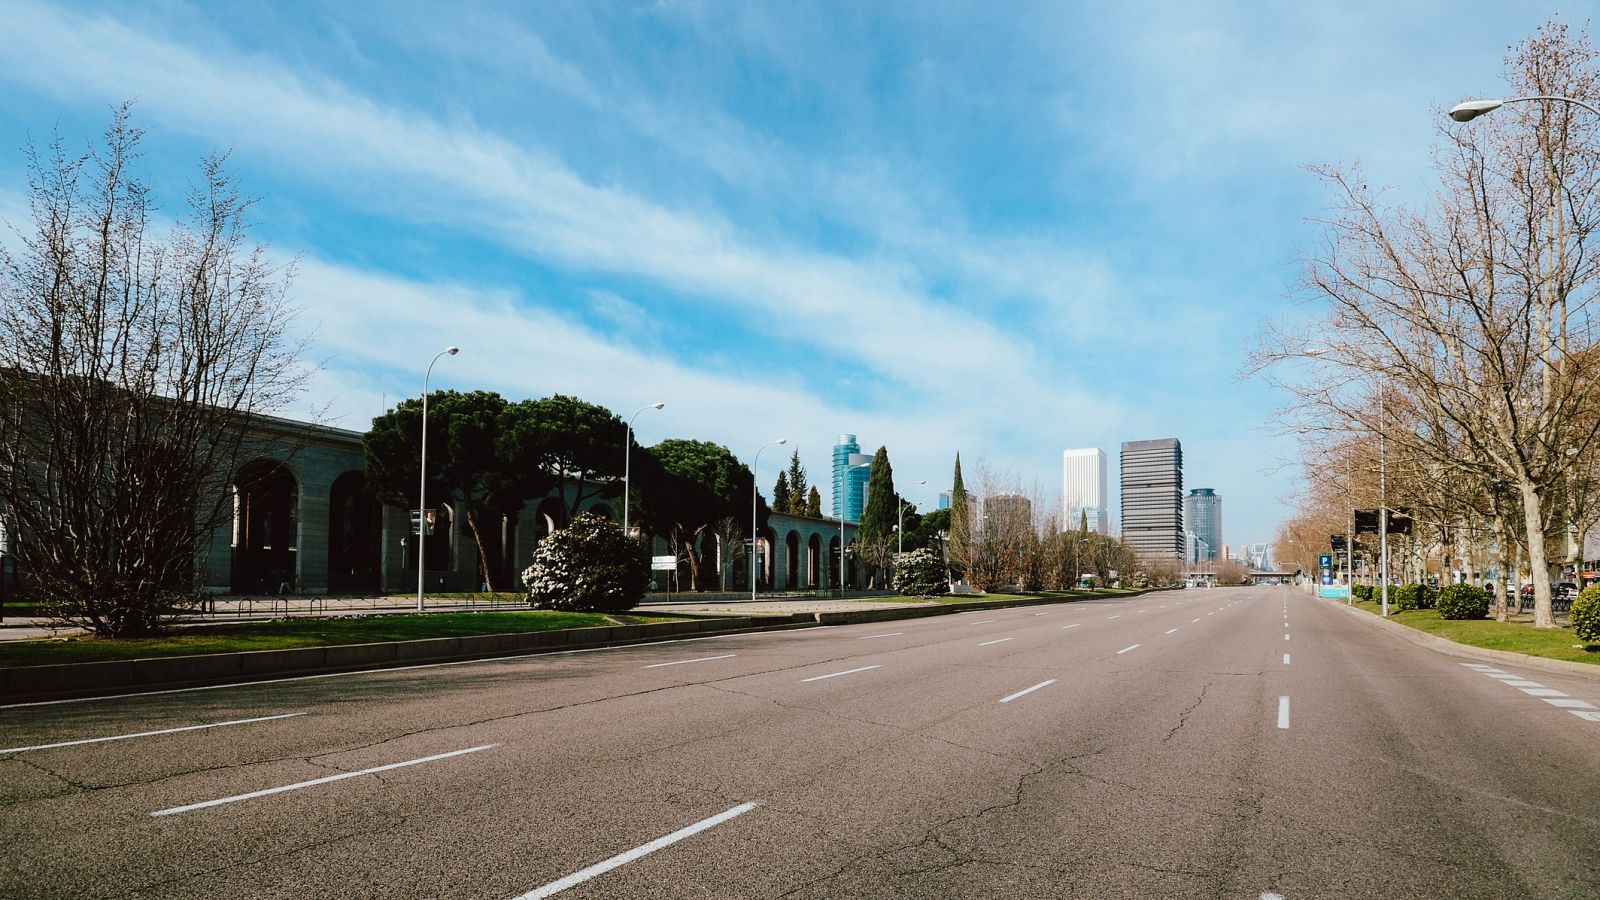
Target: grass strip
281	634
1514	637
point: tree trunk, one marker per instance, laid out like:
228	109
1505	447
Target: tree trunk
1538	565
483	552
1502	540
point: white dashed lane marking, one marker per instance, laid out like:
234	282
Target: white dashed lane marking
1000	641
837	674
1010	697
1126	649
1583	709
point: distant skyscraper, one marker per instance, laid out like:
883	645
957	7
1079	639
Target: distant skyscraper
1008	511
849	485
944	499
1202	514
1083	490
1152	498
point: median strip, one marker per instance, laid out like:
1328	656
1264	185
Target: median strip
124	737
837	674
622	859
316	781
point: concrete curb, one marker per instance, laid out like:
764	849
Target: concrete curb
1445	645
114	677
110	678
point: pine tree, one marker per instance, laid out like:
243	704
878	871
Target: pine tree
878	519
798	496
781	500
960	523
814	503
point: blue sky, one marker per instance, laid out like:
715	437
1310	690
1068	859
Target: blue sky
1004	230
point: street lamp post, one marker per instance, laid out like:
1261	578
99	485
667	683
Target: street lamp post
422	488
900	529
842	504
627	454
754	494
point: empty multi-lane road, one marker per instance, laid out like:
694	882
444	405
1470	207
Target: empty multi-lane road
1243	742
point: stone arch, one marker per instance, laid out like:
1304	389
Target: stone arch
355	535
546	518
791	560
832	564
439	547
266	528
814	561
767	559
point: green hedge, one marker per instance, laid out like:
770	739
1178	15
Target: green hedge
1586	615
1463	601
1412	596
1363	591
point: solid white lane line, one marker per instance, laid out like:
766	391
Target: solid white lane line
685	662
871	636
622	859
1543	692
124	737
1126	649
1569	703
1000	641
1286	659
1283	711
1010	697
1073	625
316	781
837	674
1171	630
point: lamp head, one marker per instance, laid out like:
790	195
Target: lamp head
657	405
452	350
781	441
1467	110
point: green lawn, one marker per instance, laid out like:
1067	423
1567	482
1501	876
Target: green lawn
281	634
1000	598
1515	637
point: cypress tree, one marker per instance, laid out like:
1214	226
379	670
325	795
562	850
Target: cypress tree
798	496
814	503
781	500
960	523
878	519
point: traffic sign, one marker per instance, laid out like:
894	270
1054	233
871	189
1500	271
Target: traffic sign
663	563
417	514
1325	561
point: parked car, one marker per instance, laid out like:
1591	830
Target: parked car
1564	590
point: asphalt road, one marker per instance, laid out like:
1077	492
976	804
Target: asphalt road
1244	742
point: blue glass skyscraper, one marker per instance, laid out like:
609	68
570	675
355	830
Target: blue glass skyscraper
849	485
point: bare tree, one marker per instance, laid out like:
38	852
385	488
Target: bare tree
132	367
1460	333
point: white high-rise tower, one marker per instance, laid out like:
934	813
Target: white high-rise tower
1083	490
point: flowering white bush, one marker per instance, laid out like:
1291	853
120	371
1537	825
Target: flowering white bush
922	573
589	566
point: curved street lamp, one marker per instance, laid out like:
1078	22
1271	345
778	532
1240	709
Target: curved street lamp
627	453
422	489
755	493
1467	110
